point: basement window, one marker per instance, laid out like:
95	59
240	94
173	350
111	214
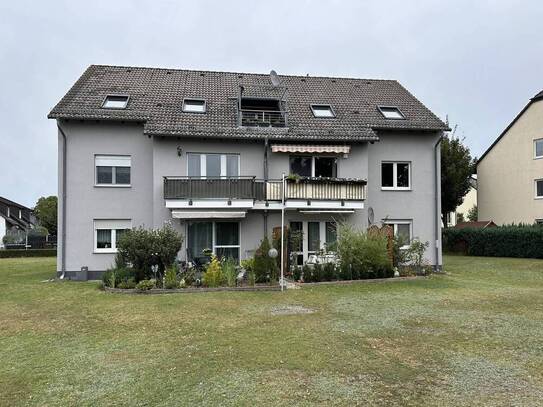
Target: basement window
194	105
322	111
115	102
391	112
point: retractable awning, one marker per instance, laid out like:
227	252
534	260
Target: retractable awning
207	214
306	148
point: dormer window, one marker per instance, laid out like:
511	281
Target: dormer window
115	102
391	112
261	112
194	105
322	111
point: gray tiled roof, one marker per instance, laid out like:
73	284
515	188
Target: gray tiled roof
156	97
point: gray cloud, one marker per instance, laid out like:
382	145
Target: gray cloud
478	62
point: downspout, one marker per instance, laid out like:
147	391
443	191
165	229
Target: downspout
63	231
437	188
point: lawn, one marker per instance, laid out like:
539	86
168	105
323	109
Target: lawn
471	337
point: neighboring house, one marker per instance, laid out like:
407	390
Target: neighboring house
510	172
482	224
470	200
13	216
206	151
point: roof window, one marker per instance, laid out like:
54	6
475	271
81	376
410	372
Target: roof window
391	112
194	105
322	111
115	102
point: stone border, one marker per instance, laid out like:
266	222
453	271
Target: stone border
364	280
190	290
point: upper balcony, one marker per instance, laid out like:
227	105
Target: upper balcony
252	193
262	118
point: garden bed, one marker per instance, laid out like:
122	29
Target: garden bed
190	289
365	280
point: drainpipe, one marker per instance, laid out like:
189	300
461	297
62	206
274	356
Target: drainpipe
437	188
63	231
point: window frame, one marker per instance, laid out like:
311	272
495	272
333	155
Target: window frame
113	227
537	157
203	165
214	245
317	105
185	100
395	186
305	252
313	157
113	95
113	183
382	109
395	222
535	188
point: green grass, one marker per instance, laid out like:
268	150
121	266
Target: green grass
472	337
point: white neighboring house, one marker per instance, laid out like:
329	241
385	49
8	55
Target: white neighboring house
470	200
13	216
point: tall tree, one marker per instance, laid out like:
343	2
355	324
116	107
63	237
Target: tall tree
457	166
46	213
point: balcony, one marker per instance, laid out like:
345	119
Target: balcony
262	118
249	192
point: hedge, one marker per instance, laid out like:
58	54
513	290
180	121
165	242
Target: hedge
4	254
503	241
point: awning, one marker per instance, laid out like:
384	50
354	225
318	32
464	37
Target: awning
305	148
207	214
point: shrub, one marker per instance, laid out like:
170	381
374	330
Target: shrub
120	278
296	273
188	276
251	278
307	274
145	285
170	277
229	271
141	248
128	284
264	266
329	272
525	241
13	253
213	276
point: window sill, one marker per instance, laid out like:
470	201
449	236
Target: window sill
104	251
113	185
540	157
395	189
538	197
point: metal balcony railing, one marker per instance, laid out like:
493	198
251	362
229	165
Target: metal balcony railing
262	118
332	189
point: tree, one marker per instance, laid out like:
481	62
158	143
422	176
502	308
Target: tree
472	214
46	213
456	168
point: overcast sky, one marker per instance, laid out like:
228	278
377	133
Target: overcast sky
476	61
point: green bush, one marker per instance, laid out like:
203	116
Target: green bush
264	266
296	273
145	285
524	241
120	278
140	246
128	284
13	253
170	278
230	272
213	276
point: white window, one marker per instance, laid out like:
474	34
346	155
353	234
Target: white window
391	112
396	175
107	233
402	229
115	102
222	238
310	237
538	148
539	221
313	166
322	111
194	105
539	188
112	170
213	165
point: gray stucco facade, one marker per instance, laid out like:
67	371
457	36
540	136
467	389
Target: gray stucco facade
152	158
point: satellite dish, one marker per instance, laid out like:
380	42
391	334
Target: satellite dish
274	78
370	216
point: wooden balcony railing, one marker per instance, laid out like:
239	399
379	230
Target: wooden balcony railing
333	189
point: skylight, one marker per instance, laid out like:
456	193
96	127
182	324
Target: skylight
115	102
322	111
391	112
194	105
